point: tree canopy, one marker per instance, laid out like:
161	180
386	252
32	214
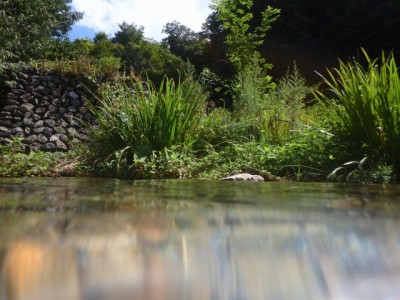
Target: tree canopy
28	28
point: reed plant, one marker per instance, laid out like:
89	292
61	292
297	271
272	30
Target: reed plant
136	118
366	103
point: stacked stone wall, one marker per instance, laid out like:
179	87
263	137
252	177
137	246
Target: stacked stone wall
46	110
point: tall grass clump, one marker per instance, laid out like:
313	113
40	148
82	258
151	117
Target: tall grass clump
367	103
136	118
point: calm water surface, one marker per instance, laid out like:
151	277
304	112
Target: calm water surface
84	239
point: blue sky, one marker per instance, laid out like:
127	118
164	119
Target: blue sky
105	15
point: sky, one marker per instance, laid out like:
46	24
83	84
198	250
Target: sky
105	15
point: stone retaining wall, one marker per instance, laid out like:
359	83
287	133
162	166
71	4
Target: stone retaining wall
45	109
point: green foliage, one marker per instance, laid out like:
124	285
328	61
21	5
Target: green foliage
28	27
185	43
367	103
249	88
221	129
15	163
242	38
136	118
145	57
93	70
284	106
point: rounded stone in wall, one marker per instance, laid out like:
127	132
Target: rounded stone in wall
71	109
76	103
62	111
82	137
17	132
61	146
35	147
48	131
35	117
42	139
39	124
59	129
49	147
10	108
30	139
72	131
26	107
27	122
18	124
68	117
49	122
52	108
38	129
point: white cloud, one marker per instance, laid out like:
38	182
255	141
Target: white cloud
105	15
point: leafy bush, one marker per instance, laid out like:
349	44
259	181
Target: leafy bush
367	105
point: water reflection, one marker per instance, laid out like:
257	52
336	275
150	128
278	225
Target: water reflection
185	240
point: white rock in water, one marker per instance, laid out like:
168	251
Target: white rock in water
244	177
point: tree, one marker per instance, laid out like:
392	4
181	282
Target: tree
29	27
242	38
185	43
145	57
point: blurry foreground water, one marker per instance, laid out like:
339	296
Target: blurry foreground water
84	239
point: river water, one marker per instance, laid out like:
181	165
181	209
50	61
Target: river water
87	238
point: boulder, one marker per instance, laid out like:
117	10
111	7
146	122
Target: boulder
244	177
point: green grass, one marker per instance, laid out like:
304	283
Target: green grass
136	118
366	102
15	163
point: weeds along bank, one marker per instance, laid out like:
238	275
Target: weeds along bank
281	129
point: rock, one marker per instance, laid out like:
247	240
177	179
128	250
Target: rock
75	103
35	117
27	131
48	131
40	110
17	132
6	114
26	107
38	124
42	139
72	131
10	108
71	109
38	129
27	122
30	139
35	147
244	177
49	147
4	132
6	123
61	146
68	117
73	96
59	129
55	137
49	122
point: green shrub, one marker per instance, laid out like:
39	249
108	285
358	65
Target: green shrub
284	106
366	102
136	118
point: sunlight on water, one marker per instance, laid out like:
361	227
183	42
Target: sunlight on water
109	239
